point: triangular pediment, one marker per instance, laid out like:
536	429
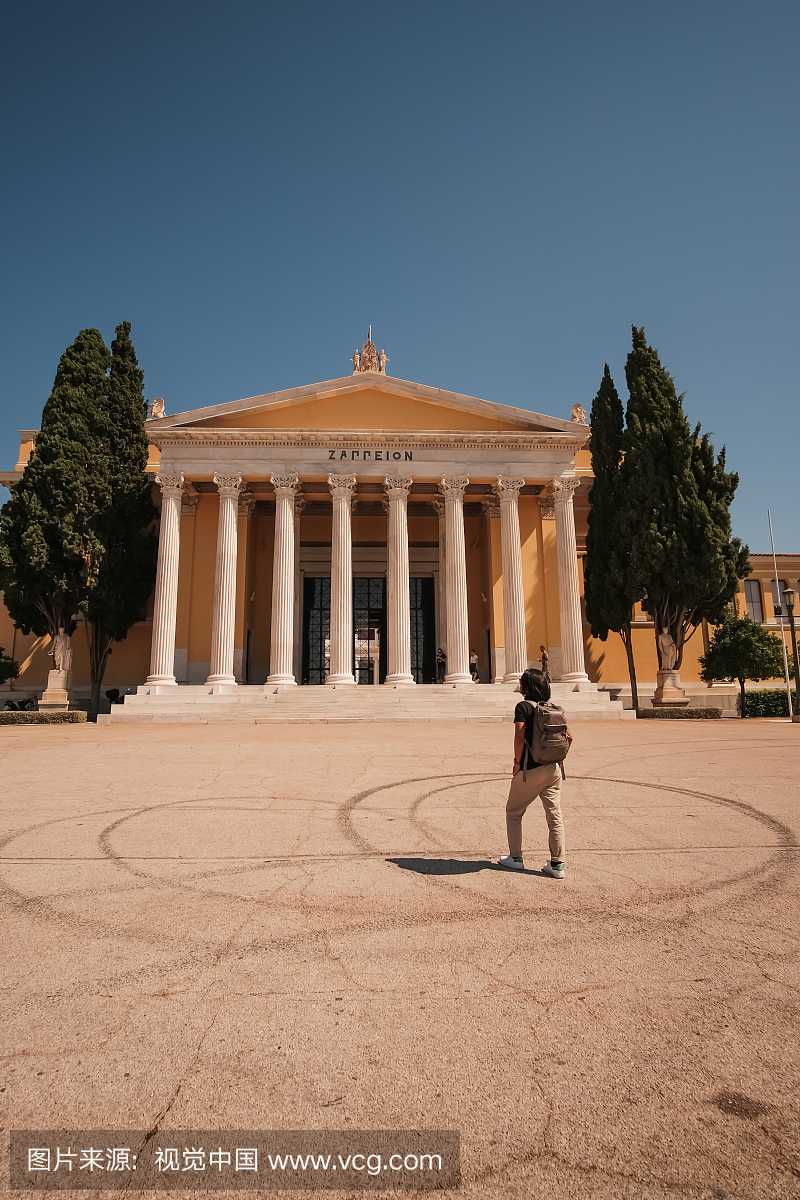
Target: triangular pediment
364	402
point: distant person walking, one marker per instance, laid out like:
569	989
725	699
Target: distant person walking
545	664
473	666
530	778
441	665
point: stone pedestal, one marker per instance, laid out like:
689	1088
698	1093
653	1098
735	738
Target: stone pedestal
669	693
56	696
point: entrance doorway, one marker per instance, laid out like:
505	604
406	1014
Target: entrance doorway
369	630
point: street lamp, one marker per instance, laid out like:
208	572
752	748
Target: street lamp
790	599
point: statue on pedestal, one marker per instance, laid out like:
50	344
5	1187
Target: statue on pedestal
668	650
382	361
157	409
61	650
356	363
578	414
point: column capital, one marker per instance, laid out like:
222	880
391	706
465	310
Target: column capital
507	489
563	489
171	485
438	506
490	506
397	489
300	502
285	485
453	487
342	486
228	486
547	508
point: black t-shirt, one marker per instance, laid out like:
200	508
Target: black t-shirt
524	712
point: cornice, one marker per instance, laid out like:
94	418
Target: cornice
302	438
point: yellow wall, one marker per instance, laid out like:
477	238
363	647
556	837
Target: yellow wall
360	410
203	565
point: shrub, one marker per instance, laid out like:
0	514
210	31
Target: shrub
69	717
680	714
771	703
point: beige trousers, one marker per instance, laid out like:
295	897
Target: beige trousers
544	782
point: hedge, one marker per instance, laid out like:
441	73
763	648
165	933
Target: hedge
770	703
70	717
680	714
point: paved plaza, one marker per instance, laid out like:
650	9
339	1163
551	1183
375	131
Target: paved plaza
301	927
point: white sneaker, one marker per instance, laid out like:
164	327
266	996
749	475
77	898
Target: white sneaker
553	872
509	862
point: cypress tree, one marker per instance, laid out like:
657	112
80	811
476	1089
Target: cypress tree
675	520
609	588
50	551
125	526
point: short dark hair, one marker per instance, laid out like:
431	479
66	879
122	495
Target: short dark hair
534	686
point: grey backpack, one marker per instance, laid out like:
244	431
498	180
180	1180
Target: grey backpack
550	743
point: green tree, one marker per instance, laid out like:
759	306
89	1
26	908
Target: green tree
741	650
50	550
675	521
9	669
124	528
609	588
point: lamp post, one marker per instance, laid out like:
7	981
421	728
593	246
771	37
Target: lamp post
790	599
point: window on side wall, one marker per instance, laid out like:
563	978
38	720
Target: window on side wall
752	596
777	595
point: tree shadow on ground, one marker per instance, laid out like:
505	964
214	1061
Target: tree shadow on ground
453	866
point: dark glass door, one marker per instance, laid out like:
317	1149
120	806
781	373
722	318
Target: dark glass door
423	630
316	630
369	629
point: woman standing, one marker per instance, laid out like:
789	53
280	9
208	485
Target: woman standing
531	779
441	665
473	666
545	664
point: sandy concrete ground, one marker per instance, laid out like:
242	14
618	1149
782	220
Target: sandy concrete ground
297	927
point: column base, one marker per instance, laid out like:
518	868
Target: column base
458	677
162	680
340	681
400	681
511	677
219	685
573	677
283	680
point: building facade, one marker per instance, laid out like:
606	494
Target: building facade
340	533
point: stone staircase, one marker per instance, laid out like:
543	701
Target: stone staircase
263	705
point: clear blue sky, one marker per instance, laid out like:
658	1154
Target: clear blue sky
500	188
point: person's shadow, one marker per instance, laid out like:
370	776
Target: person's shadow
454	866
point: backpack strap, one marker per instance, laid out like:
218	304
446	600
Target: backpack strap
528	746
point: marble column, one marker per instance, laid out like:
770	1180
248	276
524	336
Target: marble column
165	607
224	626
452	488
341	628
297	654
440	506
283	582
398	595
491	512
516	656
569	595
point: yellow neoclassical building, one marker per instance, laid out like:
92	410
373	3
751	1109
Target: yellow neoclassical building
338	534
